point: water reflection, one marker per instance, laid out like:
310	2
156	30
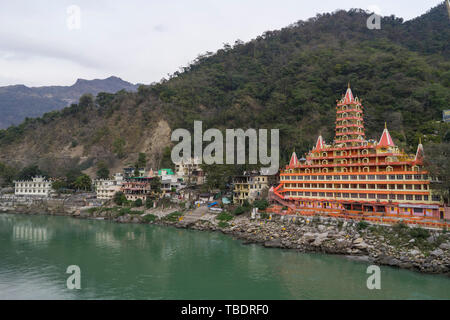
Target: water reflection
124	261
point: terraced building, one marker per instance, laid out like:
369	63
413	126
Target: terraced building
358	176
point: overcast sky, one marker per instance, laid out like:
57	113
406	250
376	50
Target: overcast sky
42	43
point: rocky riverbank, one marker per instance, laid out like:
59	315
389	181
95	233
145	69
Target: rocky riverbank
417	249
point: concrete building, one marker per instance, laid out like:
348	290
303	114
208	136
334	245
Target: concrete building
251	186
106	188
38	186
190	171
137	188
356	175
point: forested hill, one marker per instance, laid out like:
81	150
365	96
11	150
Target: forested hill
288	79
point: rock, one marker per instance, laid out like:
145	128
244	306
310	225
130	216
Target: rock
276	243
321	228
361	245
309	236
431	239
445	246
360	258
388	260
412	241
414	252
358	240
437	252
318	241
341	243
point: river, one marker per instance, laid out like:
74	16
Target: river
127	261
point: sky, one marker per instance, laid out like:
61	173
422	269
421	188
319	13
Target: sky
49	42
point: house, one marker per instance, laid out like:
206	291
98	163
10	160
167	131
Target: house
251	186
106	188
190	171
137	188
38	186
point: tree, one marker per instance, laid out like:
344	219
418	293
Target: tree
118	147
437	162
119	198
142	160
149	203
102	170
7	174
138	203
29	172
155	184
83	182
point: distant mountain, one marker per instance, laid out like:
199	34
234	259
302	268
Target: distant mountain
19	102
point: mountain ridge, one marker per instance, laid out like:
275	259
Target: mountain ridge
19	101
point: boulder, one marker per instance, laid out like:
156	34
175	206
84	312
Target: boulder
445	246
437	252
341	243
358	240
309	236
321	228
275	243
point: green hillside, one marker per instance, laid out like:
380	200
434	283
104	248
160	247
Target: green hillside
288	79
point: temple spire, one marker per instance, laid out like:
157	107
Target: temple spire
294	160
319	143
386	140
419	152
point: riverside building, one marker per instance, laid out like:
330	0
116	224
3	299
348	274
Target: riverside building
358	176
38	186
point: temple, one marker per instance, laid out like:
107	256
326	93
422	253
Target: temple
353	176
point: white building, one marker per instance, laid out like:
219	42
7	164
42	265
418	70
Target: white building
39	186
190	171
106	188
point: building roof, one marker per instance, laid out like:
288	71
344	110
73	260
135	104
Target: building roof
168	171
294	160
319	143
348	98
419	152
386	140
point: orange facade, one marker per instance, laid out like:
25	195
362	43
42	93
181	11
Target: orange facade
356	174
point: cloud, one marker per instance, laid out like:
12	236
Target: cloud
21	47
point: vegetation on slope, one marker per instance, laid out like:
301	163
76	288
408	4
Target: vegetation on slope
288	79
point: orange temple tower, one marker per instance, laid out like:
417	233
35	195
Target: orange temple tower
358	178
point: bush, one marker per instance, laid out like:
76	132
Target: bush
362	225
265	215
149	218
119	198
239	210
223	224
173	217
92	210
400	227
138	203
261	204
225	216
419	233
124	211
149	203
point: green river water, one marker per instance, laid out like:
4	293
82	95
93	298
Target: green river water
127	261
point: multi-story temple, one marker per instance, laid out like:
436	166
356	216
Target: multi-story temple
353	174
